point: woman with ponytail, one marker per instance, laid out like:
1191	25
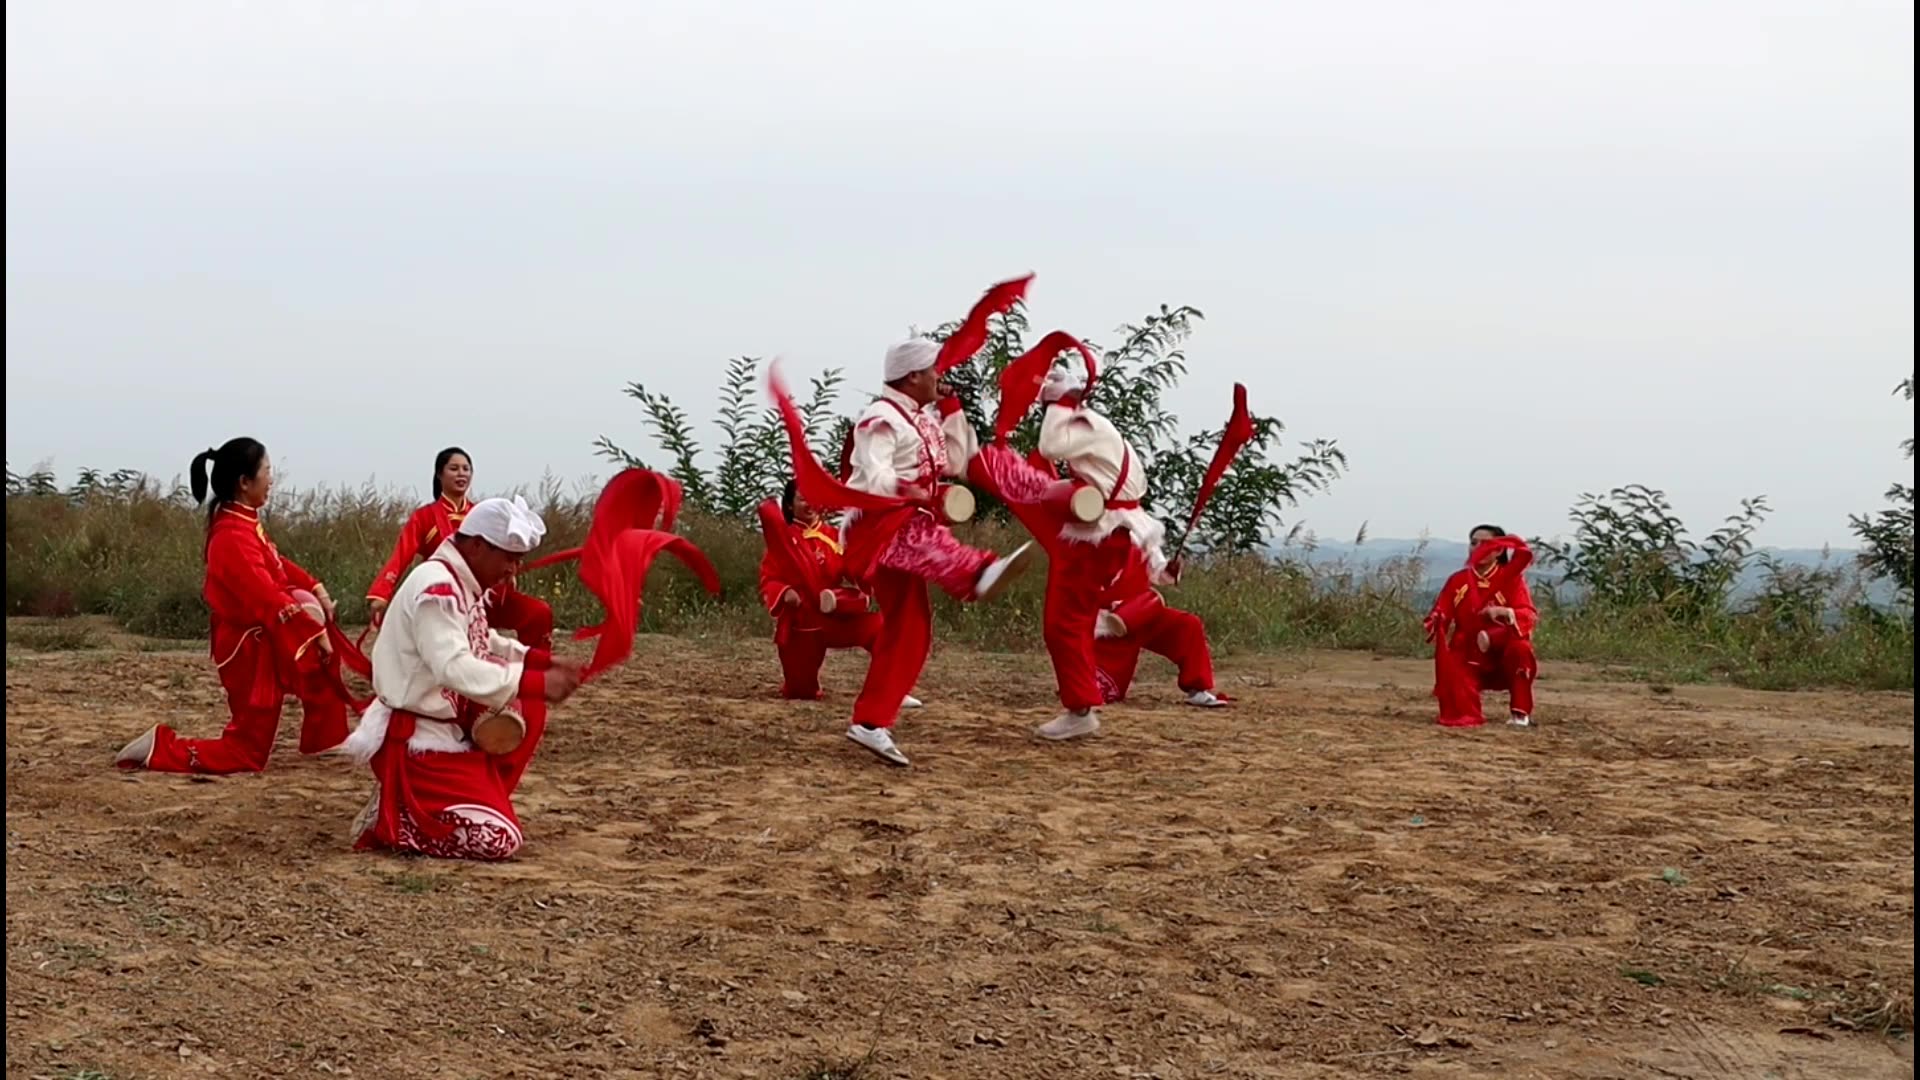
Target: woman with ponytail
269	630
530	619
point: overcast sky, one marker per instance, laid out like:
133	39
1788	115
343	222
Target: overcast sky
1503	252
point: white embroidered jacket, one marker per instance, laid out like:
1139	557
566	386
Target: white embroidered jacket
1096	454
897	441
435	647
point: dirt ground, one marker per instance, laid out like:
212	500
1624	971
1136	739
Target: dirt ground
1318	883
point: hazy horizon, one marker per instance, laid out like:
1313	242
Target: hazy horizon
1504	254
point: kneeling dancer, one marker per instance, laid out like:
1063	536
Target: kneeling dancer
438	670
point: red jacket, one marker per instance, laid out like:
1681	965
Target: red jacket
1467	595
248	587
820	544
425	530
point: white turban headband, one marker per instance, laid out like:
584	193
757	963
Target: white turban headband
508	524
910	356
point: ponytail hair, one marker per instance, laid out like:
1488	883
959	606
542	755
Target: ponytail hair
440	465
215	475
786	501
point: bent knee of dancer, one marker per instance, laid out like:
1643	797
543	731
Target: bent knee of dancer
1519	656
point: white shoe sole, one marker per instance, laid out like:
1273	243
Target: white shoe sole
1092	728
139	752
1015	565
896	759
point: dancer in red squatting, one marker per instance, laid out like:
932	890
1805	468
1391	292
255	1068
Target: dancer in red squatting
528	617
438	668
904	444
804	586
1482	629
1134	616
1083	558
270	635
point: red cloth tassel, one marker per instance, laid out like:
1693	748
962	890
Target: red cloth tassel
1239	432
620	548
820	488
814	482
960	347
1020	382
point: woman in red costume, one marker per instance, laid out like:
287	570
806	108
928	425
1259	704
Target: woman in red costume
1482	630
530	618
269	630
804	587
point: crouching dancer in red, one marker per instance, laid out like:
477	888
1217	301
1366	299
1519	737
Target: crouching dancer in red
271	628
804	587
528	617
1134	616
451	697
1482	630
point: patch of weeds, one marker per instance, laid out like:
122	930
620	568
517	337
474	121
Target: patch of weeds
53	638
1874	1008
413	884
1642	976
1673	877
116	894
822	1069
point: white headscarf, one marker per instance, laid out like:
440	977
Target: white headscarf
908	357
510	525
1061	382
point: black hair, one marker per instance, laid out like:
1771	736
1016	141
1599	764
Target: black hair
219	472
440	464
1497	532
786	501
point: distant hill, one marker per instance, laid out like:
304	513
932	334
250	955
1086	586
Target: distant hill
1443	557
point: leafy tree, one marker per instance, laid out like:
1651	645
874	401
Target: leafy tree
1888	535
1134	377
753	454
1631	551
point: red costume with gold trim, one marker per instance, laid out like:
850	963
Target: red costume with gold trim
1462	670
810	562
266	648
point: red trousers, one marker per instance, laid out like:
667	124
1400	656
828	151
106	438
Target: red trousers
528	617
1076	574
1077	571
1178	635
465	799
254	695
804	648
1463	673
923	550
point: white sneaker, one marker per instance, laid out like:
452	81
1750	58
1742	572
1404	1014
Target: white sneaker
878	741
911	702
1520	720
1205	699
137	753
1070	725
1002	572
